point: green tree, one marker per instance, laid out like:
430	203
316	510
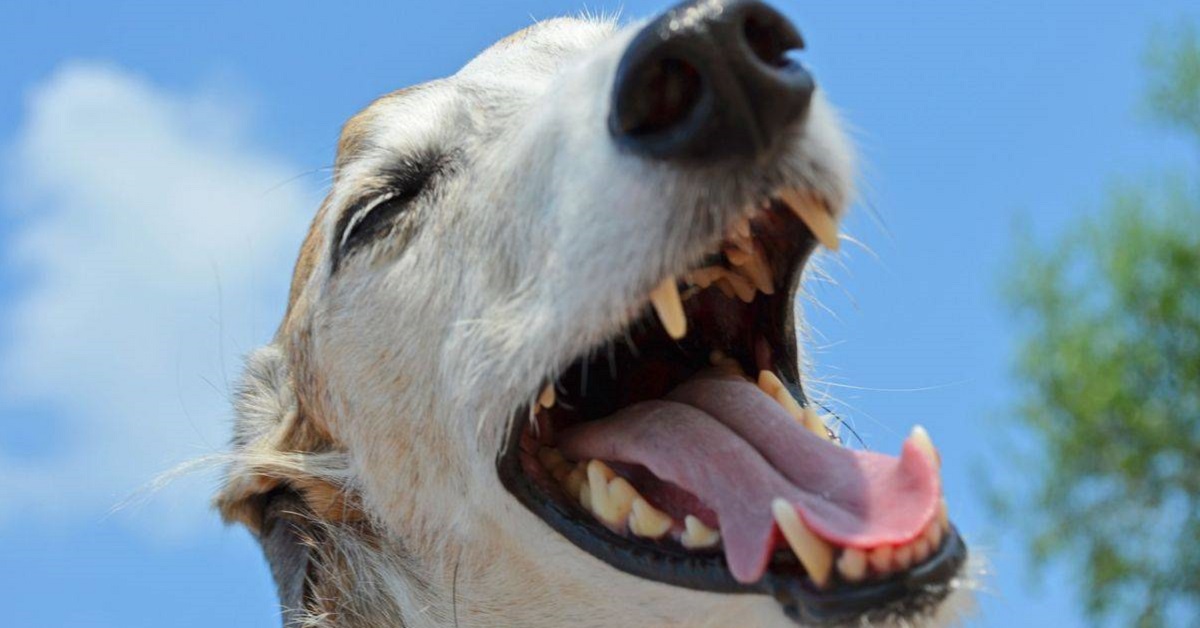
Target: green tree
1109	367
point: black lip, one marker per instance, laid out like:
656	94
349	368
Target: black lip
902	595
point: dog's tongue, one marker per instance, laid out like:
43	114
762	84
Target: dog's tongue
725	441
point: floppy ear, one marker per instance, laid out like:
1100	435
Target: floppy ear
277	449
286	480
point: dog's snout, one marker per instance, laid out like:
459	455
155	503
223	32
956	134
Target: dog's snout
708	80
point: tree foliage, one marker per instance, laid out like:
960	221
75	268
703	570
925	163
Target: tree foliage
1109	366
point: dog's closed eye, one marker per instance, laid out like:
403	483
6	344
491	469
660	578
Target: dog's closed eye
374	214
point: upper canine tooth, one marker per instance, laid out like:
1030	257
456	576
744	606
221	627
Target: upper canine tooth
819	221
647	521
920	438
814	553
696	535
669	307
546	399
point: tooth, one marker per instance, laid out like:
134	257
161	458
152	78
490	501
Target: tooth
740	286
748	261
933	535
881	559
815	425
943	516
612	496
576	480
920	438
920	550
669	308
815	554
546	399
704	277
647	521
696	535
769	383
551	458
725	287
902	557
737	256
817	218
852	564
724	362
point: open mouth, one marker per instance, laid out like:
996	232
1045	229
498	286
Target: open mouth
685	451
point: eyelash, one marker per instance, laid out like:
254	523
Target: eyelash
369	207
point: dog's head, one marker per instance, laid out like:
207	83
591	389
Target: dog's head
539	367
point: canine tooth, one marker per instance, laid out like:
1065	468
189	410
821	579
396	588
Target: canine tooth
815	554
881	559
902	557
647	521
551	458
546	399
920	438
669	307
943	516
852	564
696	535
817	218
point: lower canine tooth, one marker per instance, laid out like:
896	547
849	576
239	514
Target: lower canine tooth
920	438
669	307
815	554
647	521
852	564
943	516
696	535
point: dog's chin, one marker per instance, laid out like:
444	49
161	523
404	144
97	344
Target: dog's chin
684	453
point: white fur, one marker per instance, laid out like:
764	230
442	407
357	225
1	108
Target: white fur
540	242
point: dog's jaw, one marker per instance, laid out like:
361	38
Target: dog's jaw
533	248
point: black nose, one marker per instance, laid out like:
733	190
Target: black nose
708	80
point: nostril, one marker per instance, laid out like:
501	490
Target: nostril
770	38
667	90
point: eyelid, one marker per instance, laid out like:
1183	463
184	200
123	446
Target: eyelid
360	214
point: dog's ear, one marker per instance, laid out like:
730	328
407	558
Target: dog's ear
277	448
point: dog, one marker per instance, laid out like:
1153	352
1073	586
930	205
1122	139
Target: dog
539	364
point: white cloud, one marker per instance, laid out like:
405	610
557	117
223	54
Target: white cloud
157	246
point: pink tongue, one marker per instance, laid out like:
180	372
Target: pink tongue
729	444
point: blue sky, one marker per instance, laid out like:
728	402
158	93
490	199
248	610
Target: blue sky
122	314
